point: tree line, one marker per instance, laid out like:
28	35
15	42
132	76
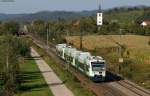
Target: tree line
58	30
13	49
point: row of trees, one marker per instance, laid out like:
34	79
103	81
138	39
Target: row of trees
9	28
12	51
84	26
87	25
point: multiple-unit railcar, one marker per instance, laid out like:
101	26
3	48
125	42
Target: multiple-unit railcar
92	66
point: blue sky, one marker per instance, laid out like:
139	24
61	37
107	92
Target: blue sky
31	6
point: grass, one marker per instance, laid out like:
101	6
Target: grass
136	66
106	41
33	83
70	80
1	85
124	18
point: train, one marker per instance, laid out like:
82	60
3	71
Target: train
93	67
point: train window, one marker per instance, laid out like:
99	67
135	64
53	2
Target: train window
97	66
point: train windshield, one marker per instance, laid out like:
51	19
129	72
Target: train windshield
98	66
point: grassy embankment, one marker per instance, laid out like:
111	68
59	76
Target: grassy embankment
124	17
33	83
71	81
137	63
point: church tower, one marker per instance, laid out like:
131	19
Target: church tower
99	16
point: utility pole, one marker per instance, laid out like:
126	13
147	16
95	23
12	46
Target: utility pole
120	50
47	37
81	39
120	43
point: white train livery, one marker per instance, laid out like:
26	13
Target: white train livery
92	66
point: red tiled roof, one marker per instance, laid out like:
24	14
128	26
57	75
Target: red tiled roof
147	22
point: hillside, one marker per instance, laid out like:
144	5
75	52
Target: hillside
126	17
145	16
122	15
45	15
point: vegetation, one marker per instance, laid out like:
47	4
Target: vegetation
32	81
13	49
145	16
128	19
9	28
136	64
136	48
70	80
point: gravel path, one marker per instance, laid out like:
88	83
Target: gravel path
55	84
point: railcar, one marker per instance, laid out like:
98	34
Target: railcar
92	66
60	48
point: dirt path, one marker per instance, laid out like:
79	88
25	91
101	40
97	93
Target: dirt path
55	84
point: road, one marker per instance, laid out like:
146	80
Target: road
55	84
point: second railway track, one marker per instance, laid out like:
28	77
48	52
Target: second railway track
134	88
100	89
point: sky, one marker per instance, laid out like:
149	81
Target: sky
32	6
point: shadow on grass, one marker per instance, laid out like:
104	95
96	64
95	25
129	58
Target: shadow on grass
36	58
28	81
33	58
31	81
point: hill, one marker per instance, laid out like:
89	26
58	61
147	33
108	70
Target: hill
122	15
45	15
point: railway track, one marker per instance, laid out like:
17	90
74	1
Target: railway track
134	88
100	89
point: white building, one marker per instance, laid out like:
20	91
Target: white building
145	23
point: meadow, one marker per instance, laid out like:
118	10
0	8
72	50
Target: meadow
32	81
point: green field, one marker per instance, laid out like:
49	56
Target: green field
124	17
70	80
33	83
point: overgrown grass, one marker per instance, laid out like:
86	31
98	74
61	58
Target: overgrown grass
1	83
32	81
91	42
132	68
136	66
70	80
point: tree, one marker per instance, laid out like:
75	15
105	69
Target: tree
12	48
9	28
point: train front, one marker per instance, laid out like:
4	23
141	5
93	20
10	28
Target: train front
98	68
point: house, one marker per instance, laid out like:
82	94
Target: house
145	23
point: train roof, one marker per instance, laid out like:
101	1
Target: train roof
59	46
84	56
75	53
96	58
62	45
69	50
